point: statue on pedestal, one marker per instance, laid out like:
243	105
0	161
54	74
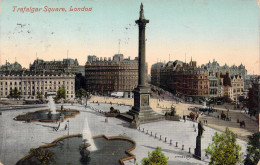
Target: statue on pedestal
197	154
84	152
200	129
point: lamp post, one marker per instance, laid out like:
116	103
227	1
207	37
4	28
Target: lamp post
236	100
68	127
227	113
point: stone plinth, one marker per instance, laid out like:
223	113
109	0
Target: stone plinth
197	153
173	118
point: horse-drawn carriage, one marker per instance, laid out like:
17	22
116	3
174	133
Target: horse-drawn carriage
223	116
192	116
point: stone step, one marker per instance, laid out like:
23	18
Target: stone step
151	119
125	117
143	119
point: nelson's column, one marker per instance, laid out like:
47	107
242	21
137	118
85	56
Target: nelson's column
141	108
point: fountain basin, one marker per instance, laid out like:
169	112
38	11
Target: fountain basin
42	116
110	150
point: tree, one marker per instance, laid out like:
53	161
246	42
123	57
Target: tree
81	93
223	149
43	156
253	149
39	95
14	93
155	158
61	93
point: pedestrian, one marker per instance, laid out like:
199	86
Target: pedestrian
134	160
65	126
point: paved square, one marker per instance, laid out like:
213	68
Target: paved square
16	137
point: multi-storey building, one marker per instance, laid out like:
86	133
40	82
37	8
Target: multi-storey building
11	67
183	79
214	67
192	82
226	86
66	65
166	79
155	73
213	86
106	75
237	83
256	99
30	83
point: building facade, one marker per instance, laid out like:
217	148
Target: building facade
30	83
192	82
182	79
237	83
213	86
66	66
214	67
256	99
155	73
107	75
11	67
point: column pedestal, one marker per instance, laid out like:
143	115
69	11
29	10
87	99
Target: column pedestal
197	153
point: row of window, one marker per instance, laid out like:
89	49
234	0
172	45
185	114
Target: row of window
37	88
27	93
34	82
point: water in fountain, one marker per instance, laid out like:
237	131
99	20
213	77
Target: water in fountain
52	105
86	134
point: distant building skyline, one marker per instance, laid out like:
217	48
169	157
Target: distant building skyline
204	29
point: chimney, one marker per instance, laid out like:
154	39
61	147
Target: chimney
227	74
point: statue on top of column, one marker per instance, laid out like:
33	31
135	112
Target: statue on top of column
141	11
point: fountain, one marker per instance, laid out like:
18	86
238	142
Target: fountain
52	105
86	134
70	150
48	115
